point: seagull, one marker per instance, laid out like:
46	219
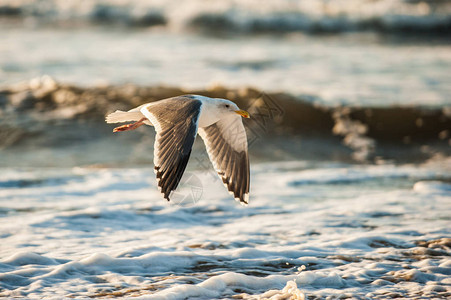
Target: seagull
177	121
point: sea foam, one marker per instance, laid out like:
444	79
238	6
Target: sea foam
361	237
246	16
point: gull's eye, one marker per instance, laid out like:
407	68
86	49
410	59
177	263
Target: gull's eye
227	106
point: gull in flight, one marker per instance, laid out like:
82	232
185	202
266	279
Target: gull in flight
177	121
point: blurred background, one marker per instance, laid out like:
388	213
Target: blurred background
349	143
353	80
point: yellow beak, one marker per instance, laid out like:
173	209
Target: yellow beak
243	113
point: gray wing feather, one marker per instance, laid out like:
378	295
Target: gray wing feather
175	120
231	162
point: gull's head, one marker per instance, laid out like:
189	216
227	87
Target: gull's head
227	107
215	109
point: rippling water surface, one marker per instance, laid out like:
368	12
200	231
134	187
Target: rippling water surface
310	229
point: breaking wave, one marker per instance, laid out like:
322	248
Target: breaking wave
313	16
44	113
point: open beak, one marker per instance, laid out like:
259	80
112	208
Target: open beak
243	113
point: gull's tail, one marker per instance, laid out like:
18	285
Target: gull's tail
123	116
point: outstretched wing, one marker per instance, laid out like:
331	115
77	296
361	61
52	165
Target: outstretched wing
226	144
175	120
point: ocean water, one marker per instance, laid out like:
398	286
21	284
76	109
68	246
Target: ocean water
244	15
80	213
311	230
350	69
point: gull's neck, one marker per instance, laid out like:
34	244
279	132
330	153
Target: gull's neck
209	113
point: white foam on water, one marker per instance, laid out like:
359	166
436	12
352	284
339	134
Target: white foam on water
225	284
311	230
247	15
